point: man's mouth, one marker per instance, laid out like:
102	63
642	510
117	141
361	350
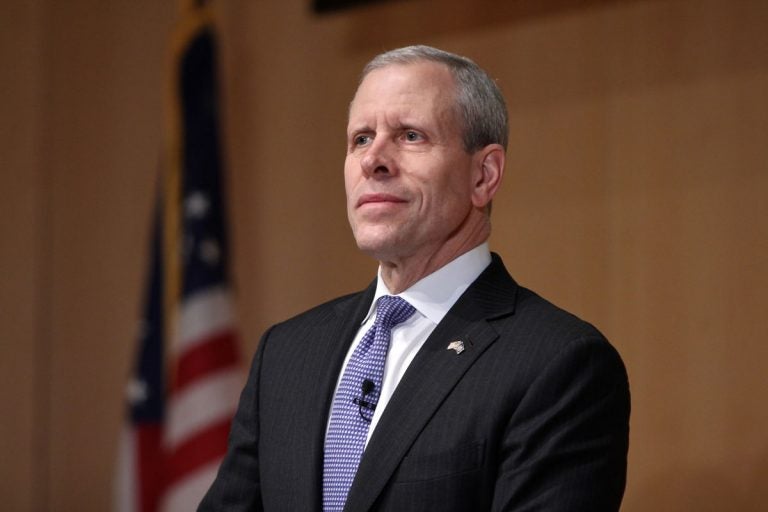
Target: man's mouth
378	199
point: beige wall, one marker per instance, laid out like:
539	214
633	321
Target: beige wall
21	227
635	196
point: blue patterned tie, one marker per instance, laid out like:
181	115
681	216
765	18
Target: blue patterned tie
355	400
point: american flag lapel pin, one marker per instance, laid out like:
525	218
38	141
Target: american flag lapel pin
457	346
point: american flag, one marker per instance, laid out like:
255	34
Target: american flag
185	383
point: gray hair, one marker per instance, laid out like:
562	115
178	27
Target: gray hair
479	101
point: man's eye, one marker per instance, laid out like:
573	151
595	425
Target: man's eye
362	140
412	136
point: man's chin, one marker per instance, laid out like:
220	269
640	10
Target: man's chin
374	251
379	248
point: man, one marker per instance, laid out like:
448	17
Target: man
466	392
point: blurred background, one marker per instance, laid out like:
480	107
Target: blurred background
636	196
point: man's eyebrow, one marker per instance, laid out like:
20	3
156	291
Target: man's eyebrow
362	127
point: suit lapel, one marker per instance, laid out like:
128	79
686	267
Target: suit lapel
430	378
323	359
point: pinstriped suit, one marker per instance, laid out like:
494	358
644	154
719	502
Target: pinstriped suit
533	415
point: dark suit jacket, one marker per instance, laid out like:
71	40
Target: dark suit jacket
533	415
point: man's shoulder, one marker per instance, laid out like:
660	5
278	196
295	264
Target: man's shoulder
542	327
547	318
342	307
533	305
503	298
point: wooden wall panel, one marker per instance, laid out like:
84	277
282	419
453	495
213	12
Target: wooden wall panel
22	295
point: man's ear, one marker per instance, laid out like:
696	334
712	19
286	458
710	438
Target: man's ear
487	175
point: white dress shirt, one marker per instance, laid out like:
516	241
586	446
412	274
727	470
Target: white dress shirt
432	297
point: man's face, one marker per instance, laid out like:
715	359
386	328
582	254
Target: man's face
408	178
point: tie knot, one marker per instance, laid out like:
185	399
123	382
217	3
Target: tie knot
391	310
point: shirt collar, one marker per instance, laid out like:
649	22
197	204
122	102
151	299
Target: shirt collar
435	294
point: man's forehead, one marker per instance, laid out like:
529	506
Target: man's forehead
418	71
422	81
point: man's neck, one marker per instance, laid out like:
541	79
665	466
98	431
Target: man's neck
399	275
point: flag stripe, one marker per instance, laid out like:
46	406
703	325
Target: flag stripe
188	490
213	354
203	315
202	449
125	479
150	465
201	404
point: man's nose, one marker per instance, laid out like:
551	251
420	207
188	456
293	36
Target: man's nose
379	159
